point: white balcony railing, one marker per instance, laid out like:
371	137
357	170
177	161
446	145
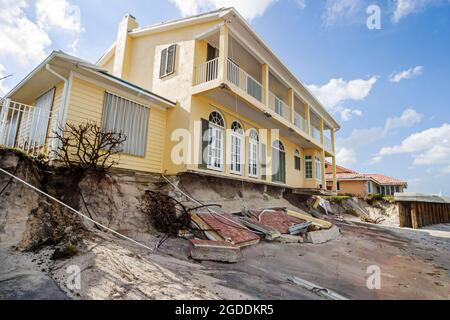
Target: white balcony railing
244	81
206	71
25	128
327	144
316	134
300	122
279	106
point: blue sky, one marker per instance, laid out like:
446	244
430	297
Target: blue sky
388	87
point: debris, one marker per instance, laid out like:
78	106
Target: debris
300	228
317	222
318	237
269	234
185	234
288	238
220	251
320	291
275	219
219	228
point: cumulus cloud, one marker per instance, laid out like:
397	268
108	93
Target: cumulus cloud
404	8
20	37
346	156
58	14
250	9
430	146
341	10
301	4
348	113
406	74
3	89
340	90
27	41
360	137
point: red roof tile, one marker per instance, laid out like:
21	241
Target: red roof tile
275	219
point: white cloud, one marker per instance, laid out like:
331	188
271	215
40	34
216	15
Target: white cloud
428	147
407	74
359	137
250	9
21	38
337	10
348	113
404	8
3	89
58	14
346	157
339	90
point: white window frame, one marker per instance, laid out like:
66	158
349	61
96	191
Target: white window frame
253	154
216	151
164	71
237	149
309	162
318	168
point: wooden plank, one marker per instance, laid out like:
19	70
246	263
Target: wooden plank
205	250
401	215
317	222
211	234
415	222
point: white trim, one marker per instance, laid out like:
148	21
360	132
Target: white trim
139	92
222	148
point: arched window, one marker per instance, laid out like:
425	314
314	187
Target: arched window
278	162
297	160
253	153
216	141
237	146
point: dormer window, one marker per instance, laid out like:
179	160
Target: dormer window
167	66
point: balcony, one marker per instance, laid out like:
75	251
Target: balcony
225	68
279	107
25	128
244	81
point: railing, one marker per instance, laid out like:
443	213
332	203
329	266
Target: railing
25	128
244	81
316	134
279	106
327	144
206	71
300	122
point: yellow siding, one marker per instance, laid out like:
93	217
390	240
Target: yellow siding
86	104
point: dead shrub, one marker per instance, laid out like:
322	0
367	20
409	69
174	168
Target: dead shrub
88	146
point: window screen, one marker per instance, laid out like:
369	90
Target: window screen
124	116
167	66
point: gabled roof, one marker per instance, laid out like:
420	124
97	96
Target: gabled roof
75	62
355	176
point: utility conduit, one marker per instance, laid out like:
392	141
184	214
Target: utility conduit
75	211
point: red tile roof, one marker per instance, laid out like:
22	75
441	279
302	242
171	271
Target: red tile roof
275	219
378	178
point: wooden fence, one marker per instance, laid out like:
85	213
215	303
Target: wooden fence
418	214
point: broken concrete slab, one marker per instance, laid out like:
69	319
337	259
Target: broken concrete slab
303	216
323	236
288	238
220	251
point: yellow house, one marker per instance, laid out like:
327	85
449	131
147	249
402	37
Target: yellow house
202	95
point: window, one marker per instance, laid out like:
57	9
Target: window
40	119
216	141
297	160
237	152
308	167
318	163
253	152
397	189
127	117
167	66
338	186
369	187
278	162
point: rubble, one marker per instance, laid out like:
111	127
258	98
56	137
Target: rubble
220	251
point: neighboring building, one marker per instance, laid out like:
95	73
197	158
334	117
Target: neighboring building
350	182
203	74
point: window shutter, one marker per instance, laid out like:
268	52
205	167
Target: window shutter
171	59
283	167
263	162
162	67
297	163
204	143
